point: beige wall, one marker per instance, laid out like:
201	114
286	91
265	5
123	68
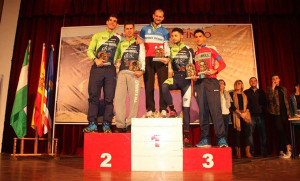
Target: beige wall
8	26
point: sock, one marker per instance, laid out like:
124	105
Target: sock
186	134
172	107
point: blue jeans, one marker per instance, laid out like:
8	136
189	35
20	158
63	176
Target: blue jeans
258	121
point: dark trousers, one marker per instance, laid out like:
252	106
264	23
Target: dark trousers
258	121
161	69
245	133
101	77
226	122
281	130
208	98
179	83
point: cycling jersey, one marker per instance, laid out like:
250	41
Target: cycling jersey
210	55
181	55
155	38
128	51
104	41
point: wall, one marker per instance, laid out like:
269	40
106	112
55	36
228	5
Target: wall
8	26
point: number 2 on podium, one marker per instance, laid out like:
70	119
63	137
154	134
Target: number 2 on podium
105	162
209	160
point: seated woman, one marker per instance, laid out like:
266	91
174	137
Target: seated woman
241	118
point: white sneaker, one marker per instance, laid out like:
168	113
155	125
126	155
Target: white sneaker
163	113
285	156
149	114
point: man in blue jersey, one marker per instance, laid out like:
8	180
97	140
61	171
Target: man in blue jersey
102	75
155	37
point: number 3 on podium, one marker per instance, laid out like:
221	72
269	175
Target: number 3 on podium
105	162
209	160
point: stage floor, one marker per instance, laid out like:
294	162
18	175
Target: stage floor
68	168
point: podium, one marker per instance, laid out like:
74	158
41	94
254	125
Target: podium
104	151
154	144
203	159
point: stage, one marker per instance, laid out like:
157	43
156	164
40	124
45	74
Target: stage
71	168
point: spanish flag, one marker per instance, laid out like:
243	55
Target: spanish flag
38	113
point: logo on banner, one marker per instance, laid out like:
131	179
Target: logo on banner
156	139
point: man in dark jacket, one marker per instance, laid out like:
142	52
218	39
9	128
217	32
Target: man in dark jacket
257	104
279	110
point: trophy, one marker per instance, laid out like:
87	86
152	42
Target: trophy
190	70
134	65
159	54
102	55
203	67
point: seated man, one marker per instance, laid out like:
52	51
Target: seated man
181	56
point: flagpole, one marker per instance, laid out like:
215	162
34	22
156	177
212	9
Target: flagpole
50	141
22	140
36	141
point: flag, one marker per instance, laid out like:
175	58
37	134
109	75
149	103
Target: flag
38	112
18	118
48	103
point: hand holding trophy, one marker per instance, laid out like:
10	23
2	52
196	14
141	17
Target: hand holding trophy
203	67
191	71
134	67
159	54
103	57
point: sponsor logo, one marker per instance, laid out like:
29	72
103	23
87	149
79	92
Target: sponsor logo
205	55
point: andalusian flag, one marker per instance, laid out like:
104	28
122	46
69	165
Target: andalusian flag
18	118
38	111
48	103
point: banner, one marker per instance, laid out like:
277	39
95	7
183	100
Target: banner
234	42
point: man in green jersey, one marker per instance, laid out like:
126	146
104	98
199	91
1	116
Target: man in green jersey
102	75
181	56
132	58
